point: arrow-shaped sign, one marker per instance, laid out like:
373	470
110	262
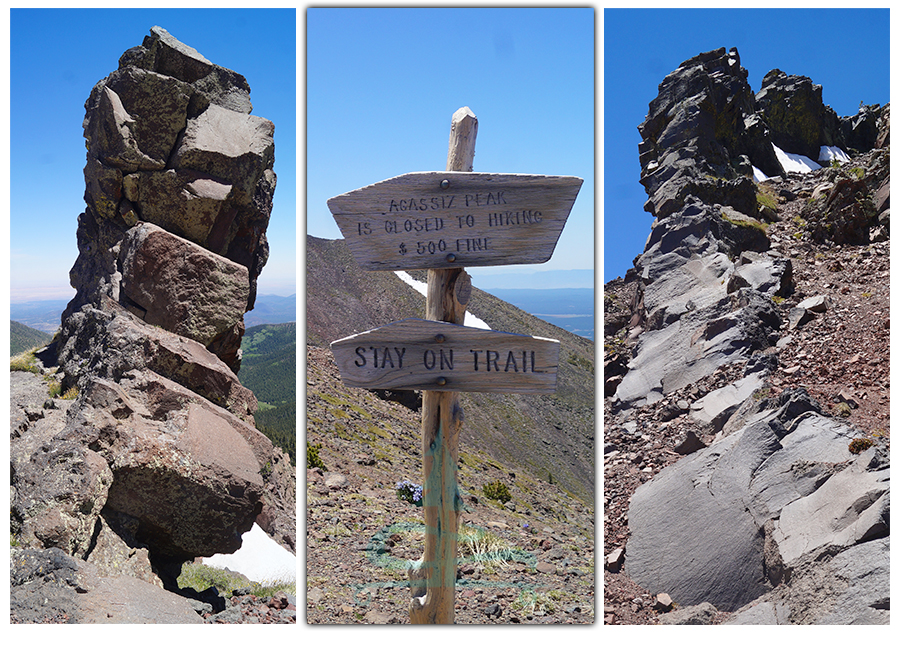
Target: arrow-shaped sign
423	355
437	220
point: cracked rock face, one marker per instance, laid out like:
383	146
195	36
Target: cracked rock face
171	144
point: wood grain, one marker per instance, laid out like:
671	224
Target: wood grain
437	356
439	220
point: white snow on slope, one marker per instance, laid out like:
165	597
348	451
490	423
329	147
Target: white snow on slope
422	289
759	175
260	559
830	154
800	163
795	162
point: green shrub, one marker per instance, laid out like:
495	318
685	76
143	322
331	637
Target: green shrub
313	460
860	444
497	491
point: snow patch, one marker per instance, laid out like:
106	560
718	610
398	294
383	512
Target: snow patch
260	559
759	175
795	162
422	289
828	154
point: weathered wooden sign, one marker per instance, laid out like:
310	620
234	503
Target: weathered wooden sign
437	220
437	356
444	221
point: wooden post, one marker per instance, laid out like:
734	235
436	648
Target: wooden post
506	219
433	578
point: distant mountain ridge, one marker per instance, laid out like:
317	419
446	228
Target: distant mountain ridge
549	436
45	315
23	337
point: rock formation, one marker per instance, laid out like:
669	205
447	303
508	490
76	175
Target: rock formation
158	459
772	502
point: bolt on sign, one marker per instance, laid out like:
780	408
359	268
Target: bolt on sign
442	222
437	356
435	220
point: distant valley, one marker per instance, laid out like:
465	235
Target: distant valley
269	369
571	309
45	315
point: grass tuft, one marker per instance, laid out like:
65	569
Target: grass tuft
200	577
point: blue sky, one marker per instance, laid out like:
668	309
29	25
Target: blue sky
383	84
58	55
847	52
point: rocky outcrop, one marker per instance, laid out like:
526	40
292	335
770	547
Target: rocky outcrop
775	500
157	461
171	143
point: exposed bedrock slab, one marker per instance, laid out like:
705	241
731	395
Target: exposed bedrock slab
47	585
708	529
850	588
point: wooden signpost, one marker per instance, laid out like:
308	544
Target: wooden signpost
444	221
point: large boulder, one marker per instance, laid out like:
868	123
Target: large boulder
183	288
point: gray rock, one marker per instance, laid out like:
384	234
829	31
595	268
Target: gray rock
714	408
702	614
798	316
49	586
761	613
690	444
816	304
698	529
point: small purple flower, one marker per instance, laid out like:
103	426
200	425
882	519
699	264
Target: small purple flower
409	491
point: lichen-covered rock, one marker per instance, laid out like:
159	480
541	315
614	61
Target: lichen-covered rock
798	120
171	142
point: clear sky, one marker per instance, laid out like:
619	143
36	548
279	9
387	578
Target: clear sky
58	55
383	84
847	52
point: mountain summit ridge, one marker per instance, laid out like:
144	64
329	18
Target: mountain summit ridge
728	389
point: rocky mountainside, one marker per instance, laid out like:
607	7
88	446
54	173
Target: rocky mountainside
550	436
156	461
541	448
746	377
